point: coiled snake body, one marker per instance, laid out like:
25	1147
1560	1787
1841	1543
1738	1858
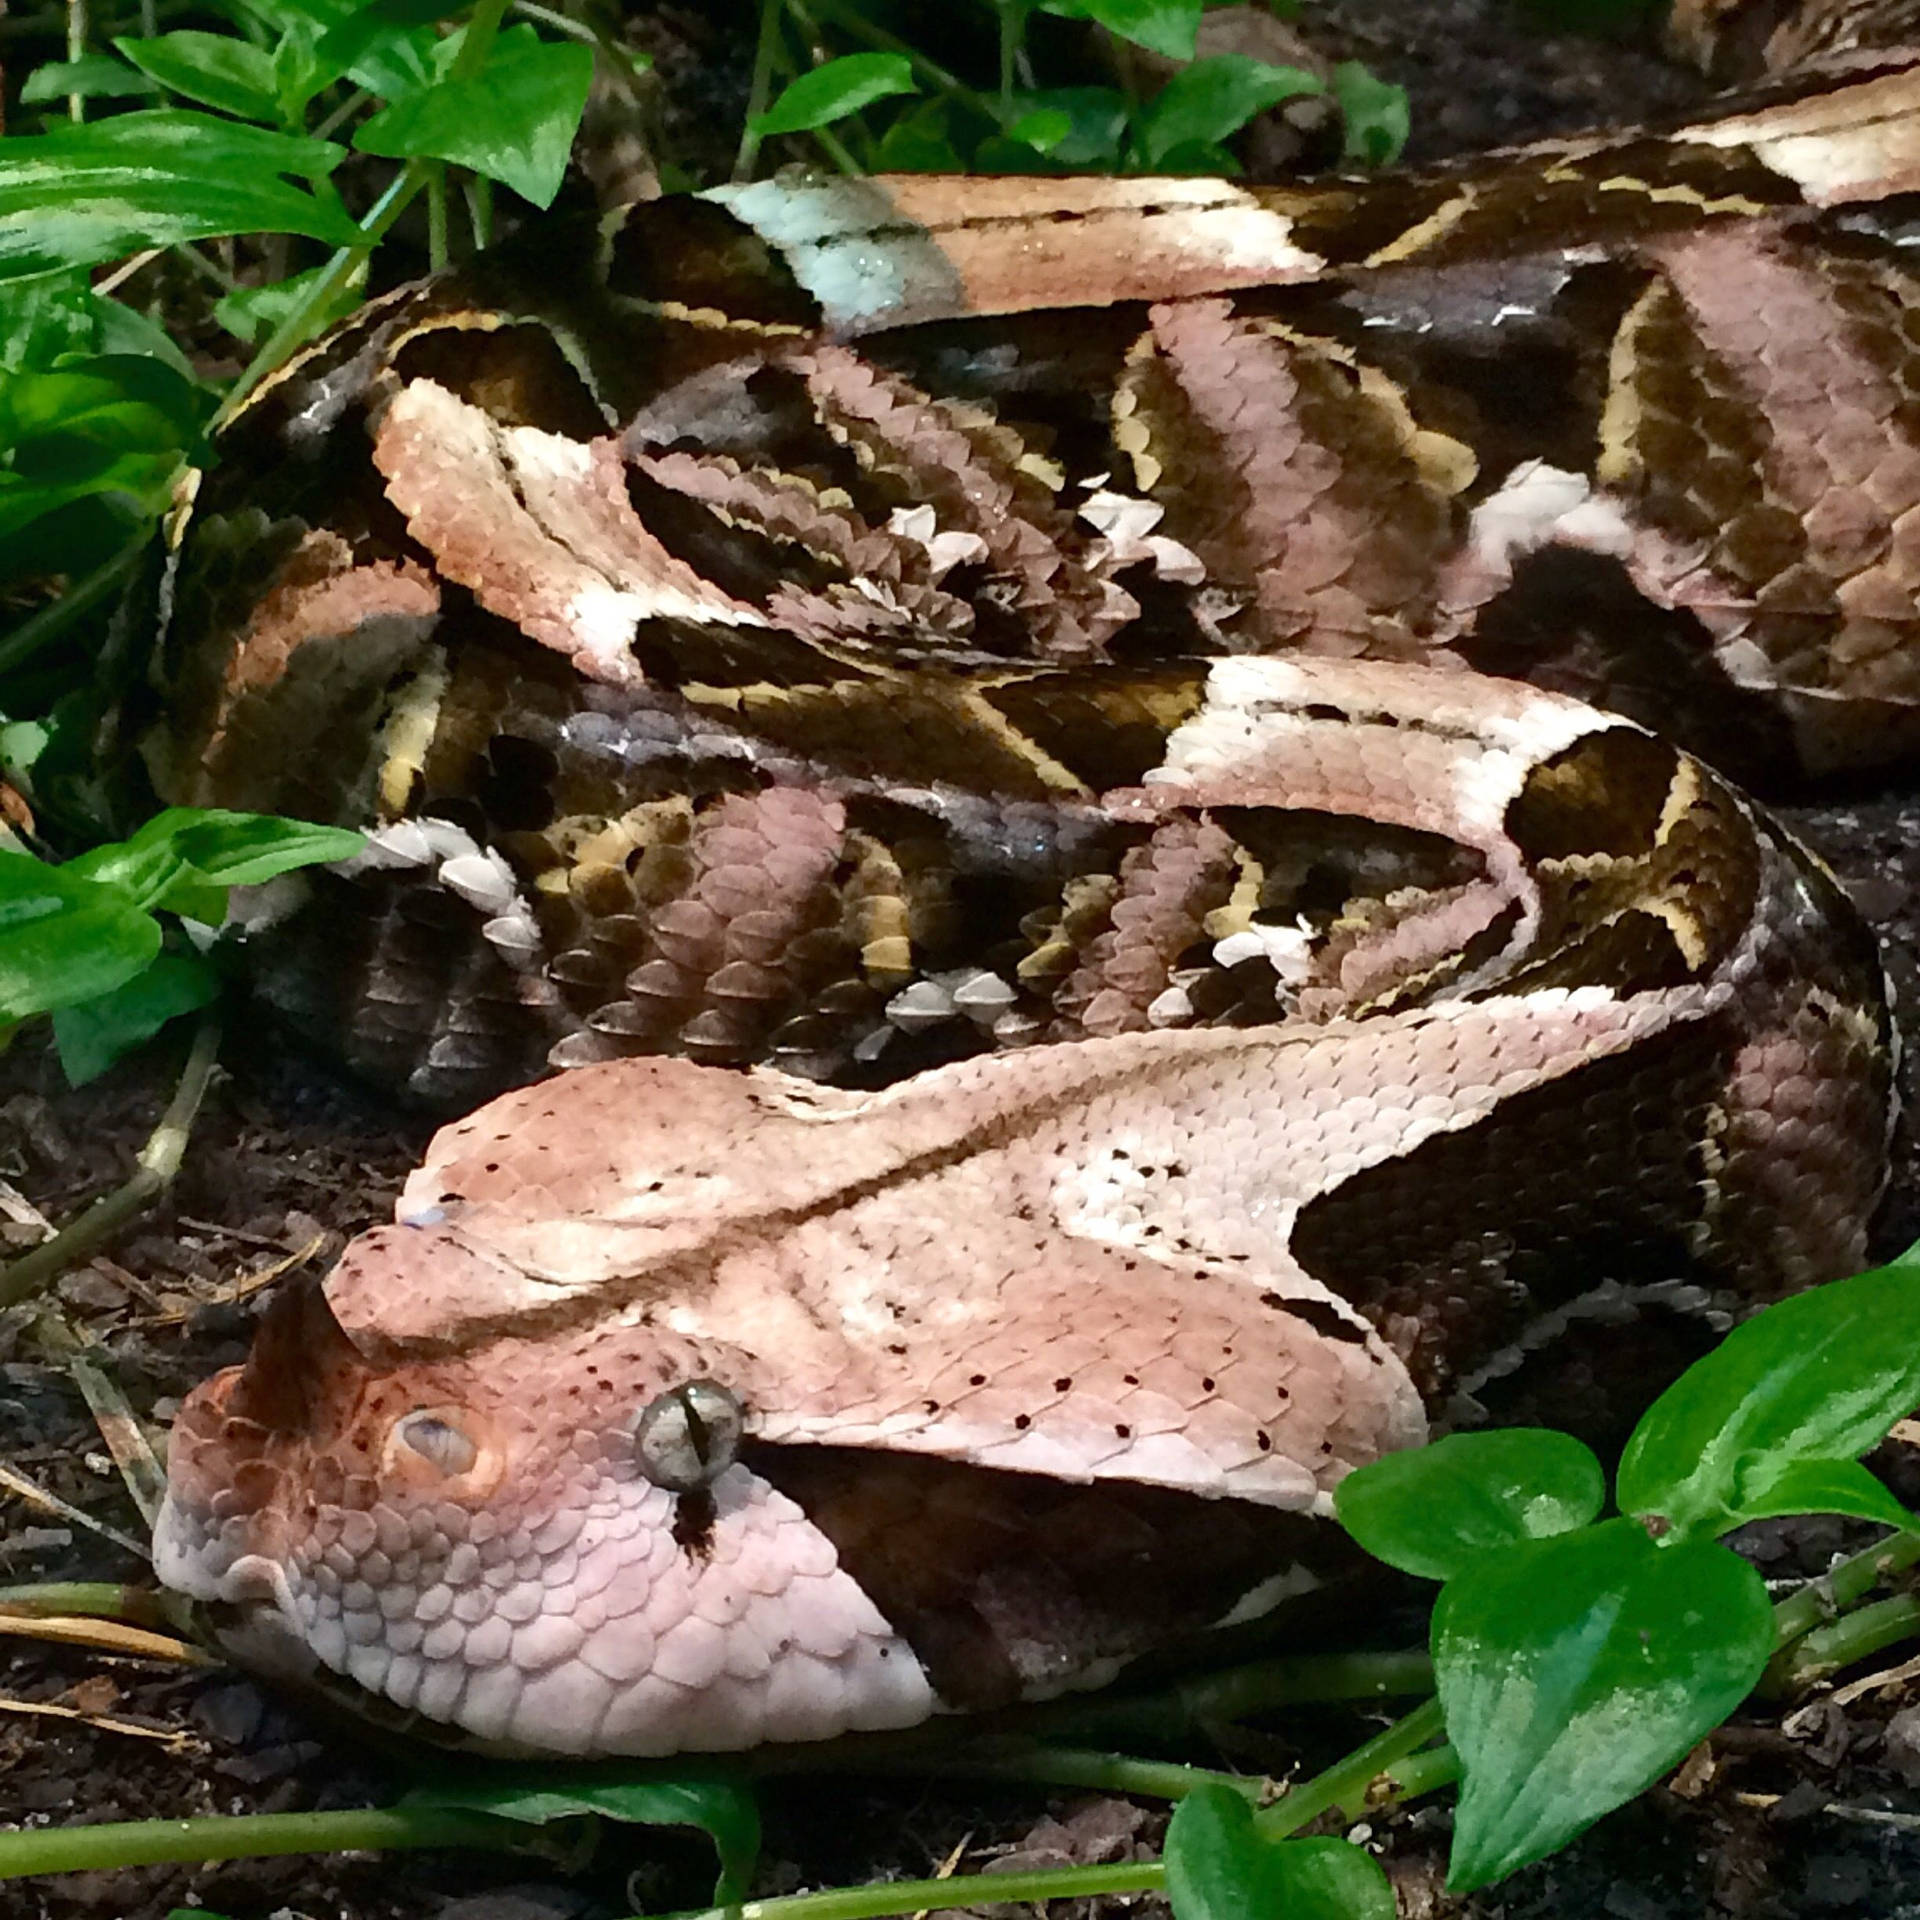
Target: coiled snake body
1213	1031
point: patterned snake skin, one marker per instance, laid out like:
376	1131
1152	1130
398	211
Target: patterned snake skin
1220	1029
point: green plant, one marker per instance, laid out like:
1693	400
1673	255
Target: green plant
103	942
1574	1659
936	121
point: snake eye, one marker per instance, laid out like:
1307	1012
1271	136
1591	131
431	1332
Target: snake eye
685	1438
438	1442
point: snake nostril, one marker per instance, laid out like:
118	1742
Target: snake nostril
686	1438
438	1442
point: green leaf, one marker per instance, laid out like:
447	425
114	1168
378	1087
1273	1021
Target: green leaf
1772	1488
721	1806
1819	1377
85	194
45	316
1574	1671
514	121
179	854
243	849
250	314
920	140
63	938
1213	99
384	47
1043	129
1096	123
1163	26
94	76
1374	113
833	91
96	1033
1437	1510
217	69
115	423
1220	1867
1198	157
122	330
143	871
21	743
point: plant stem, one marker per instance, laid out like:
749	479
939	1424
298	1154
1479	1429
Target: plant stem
1102	1772
292	332
1345	1783
42	628
477	41
1819	1600
97	1600
960	1890
159	1162
1827	1649
341	114
479	197
76	50
766	51
437	216
141	1843
837	151
1422	1773
1235	1693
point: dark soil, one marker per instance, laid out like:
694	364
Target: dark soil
1814	1813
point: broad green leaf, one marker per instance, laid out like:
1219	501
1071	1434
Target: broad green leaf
21	743
94	76
1221	1867
1162	26
217	69
115	399
1374	113
1213	99
45	316
385	47
833	91
297	73
514	121
1771	1488
178	855
1199	157
722	1807
243	849
123	330
920	141
250	314
72	539
142	870
65	939
96	1033
1574	1671
1096	123
115	423
85	194
1438	1510
1819	1377
1043	129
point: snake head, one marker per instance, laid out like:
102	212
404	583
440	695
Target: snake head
493	1541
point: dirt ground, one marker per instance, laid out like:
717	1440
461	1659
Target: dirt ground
1814	1813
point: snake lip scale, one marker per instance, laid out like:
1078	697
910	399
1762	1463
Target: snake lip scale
1104	975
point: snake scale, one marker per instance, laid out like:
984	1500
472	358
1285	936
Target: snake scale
1067	764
